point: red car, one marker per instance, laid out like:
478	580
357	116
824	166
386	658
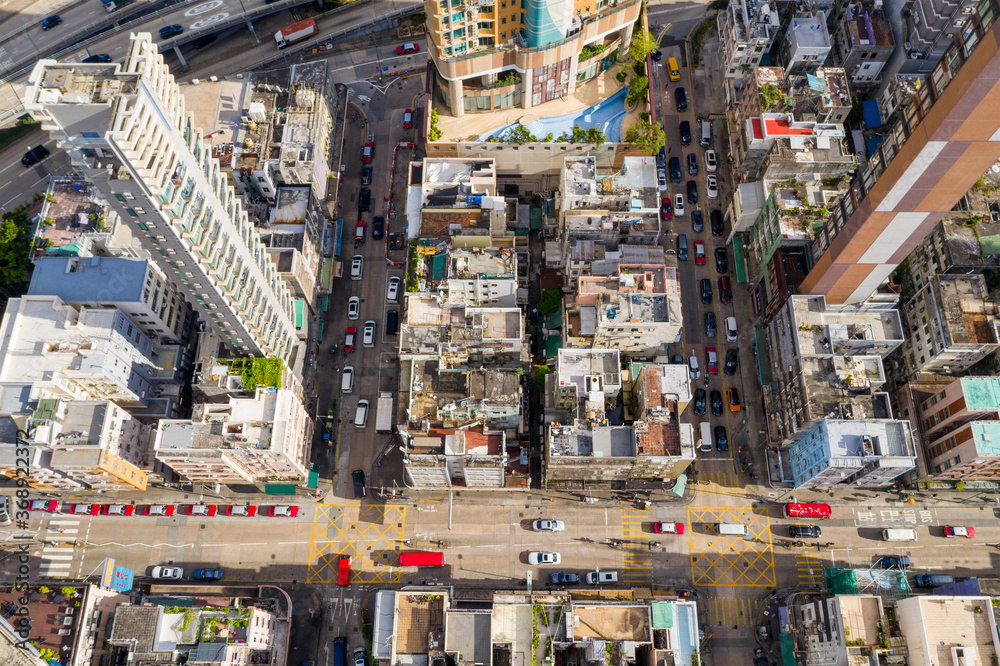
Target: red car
699	252
159	510
202	509
241	510
408	119
344	570
711	361
359	233
668	528
117	509
368	151
963	532
352	333
286	511
43	505
409	47
81	509
666	211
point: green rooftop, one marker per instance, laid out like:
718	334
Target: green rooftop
987	437
982	394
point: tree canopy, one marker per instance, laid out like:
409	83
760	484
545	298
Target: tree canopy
647	135
15	245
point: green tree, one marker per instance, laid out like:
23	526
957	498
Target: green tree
519	134
647	136
643	43
638	86
551	301
15	244
540	373
434	134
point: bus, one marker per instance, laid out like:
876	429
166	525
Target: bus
807	511
421	559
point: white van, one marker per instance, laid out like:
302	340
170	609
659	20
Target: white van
361	415
347	380
899	534
731	529
602	577
706	437
706	134
731	332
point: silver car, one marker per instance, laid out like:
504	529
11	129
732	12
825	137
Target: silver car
392	291
543	557
548	526
167	573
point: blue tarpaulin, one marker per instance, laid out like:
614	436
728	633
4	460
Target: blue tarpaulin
872	143
873	118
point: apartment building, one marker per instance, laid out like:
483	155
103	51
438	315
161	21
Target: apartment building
930	26
457	203
471	456
778	147
806	44
586	442
636	310
479	277
945	416
747	28
936	146
825	362
864	41
497	54
414	625
247	434
137	287
142	152
842	629
948	629
950	325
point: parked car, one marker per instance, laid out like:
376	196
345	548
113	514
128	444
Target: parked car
697	221
894	562
544	557
699	251
734	399
159	510
679	205
167	573
721	260
692	164
366	174
706	290
725	289
409	47
716	398
721	442
700	402
202	509
171	30
685	132
408	119
732	359
368	151
681	99
711	361
364	199
661	179
353	307
713	187
241	510
349	339
661	158
117	509
675	169
961	532
368	336
666	211
804	531
43	505
88	509
693	367
283	511
378	227
392	289
710	325
692	192
358	478
207	574
718	228
711	164
565	579
548	526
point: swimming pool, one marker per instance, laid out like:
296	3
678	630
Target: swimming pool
605	115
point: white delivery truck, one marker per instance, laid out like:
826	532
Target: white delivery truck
295	32
383	413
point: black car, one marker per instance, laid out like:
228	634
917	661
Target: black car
721	260
717	227
677	359
661	159
710	324
358	476
97	57
697	220
364	199
706	291
732	359
565	578
681	98
716	397
204	40
685	132
207	574
721	443
675	170
692	164
366	174
799	531
378	227
171	30
692	188
656	55
699	402
51	21
34	156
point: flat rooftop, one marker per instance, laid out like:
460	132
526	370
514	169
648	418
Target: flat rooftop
599	442
861	438
969	316
575	365
480	263
634	308
615	623
417	617
862	615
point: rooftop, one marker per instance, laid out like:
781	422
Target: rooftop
418	618
808	31
574	366
662	385
969	316
981	393
590	187
855	439
825	330
948	622
613	623
91	279
867	29
481	263
73	213
861	615
633	308
599	441
627	280
986	435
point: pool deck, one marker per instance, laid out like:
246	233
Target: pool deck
471	126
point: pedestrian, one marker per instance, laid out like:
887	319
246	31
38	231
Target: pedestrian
877	495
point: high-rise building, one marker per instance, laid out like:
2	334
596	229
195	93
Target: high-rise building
943	136
495	54
126	129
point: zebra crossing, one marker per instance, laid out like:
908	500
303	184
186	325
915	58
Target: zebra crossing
56	560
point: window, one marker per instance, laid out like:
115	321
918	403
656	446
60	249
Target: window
503	21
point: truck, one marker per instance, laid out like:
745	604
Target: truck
112	5
383	412
295	32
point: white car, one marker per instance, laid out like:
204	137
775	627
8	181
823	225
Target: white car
392	291
167	573
543	557
710	162
361	414
678	205
661	179
368	338
713	187
548	526
353	307
357	266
